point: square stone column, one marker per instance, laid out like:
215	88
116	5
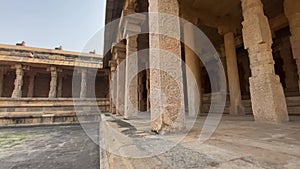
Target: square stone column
60	86
166	95
131	25
119	54
236	107
1	81
53	82
31	85
292	11
193	72
267	97
83	86
17	93
113	86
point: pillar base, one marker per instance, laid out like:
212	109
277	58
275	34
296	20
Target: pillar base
237	110
268	100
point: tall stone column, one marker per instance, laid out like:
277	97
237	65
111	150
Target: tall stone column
236	107
132	26
1	80
17	93
267	97
292	11
194	65
83	86
166	95
119	54
31	85
113	86
53	82
60	86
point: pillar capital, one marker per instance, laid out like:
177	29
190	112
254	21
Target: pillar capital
131	22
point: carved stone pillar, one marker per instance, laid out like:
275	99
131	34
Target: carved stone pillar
292	11
83	86
119	54
267	97
193	64
166	95
236	107
53	82
31	85
17	93
131	28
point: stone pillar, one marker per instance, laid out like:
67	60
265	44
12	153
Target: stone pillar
166	95
113	86
1	81
131	29
292	11
17	93
83	86
31	85
291	77
236	107
60	86
193	64
119	54
53	82
267	97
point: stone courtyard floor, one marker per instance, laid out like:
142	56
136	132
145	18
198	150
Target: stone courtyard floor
238	142
48	147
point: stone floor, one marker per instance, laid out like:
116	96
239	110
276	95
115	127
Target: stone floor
238	142
51	147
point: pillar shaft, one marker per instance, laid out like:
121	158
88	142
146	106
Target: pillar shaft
17	93
120	87
119	54
131	81
292	11
83	86
1	81
53	83
166	95
236	107
60	86
267	97
113	91
31	85
193	72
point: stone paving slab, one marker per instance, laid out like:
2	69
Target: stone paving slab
48	147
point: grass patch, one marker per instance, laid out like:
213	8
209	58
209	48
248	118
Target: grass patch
11	139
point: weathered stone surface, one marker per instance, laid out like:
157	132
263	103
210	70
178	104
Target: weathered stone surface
236	106
268	100
53	82
58	147
193	72
83	86
292	11
17	93
166	99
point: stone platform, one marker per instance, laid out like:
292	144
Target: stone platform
238	142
